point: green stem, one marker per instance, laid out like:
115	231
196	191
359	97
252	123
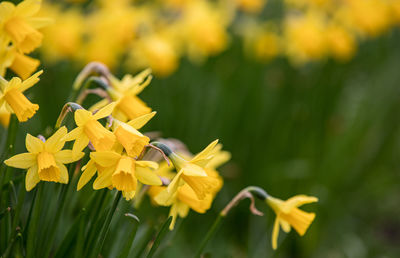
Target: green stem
8	151
33	225
106	225
128	244
209	234
160	236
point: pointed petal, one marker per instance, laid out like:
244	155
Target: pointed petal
28	7
140	121
104	179
146	163
40	22
173	186
105	111
33	144
23	160
275	234
82	116
54	143
30	81
87	174
193	170
32	178
105	158
297	201
64	177
74	134
146	176
66	156
79	144
204	154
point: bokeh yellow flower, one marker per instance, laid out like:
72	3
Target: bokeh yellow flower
44	160
21	26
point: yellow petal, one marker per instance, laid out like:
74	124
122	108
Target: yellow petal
33	144
146	163
105	111
87	174
30	81
173	186
139	122
74	134
39	22
79	144
32	178
104	179
206	152
193	170
28	7
63	173
105	158
297	201
82	116
54	143
275	234
23	160
66	156
285	225
146	176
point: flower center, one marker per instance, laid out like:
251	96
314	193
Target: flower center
47	167
21	106
123	178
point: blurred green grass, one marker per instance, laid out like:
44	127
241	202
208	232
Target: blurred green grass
327	129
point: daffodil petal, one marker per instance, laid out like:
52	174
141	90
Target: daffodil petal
146	176
103	180
140	121
54	143
275	234
146	163
173	186
30	81
87	174
105	158
23	160
64	177
74	134
66	156
32	178
28	7
82	116
79	144
33	144
297	201
105	111
206	152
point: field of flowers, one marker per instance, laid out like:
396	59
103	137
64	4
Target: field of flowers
200	128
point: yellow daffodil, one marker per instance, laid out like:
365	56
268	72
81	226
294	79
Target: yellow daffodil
44	160
129	137
24	65
120	171
124	92
289	215
89	129
20	25
11	96
193	173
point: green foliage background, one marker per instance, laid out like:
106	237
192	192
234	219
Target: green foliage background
328	129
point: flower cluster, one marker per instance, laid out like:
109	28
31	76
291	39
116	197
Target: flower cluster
157	34
19	36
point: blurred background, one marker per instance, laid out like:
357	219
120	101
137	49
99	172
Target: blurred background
304	94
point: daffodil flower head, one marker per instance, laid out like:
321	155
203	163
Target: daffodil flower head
289	215
128	135
125	171
20	25
11	96
193	173
44	160
124	92
89	129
